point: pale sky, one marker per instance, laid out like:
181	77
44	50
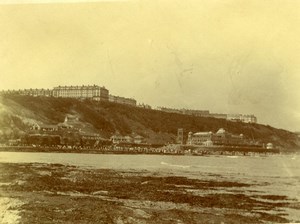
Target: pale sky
226	56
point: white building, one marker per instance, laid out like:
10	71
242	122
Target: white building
82	92
242	118
200	138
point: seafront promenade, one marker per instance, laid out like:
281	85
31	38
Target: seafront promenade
164	150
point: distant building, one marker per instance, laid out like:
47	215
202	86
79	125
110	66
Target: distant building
249	119
122	100
138	139
128	139
206	113
197	113
93	92
29	92
117	138
145	106
221	137
270	146
219	116
45	127
71	118
242	118
65	126
170	110
180	136
199	138
90	136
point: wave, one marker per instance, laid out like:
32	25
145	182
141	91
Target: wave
175	165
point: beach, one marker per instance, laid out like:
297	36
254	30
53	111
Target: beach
63	193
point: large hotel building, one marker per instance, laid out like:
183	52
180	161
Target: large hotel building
93	92
82	92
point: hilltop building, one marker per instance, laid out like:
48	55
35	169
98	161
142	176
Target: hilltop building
199	113
29	92
206	113
145	106
219	116
242	118
93	92
122	100
170	110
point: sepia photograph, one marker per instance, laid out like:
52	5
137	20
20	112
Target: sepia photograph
149	111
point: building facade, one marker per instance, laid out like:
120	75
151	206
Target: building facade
221	137
145	106
170	110
197	113
122	100
242	118
29	92
93	92
200	138
206	113
219	116
117	139
180	136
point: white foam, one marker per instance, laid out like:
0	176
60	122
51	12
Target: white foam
9	210
175	165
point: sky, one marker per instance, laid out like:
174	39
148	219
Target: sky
225	56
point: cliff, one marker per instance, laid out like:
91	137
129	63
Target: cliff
19	113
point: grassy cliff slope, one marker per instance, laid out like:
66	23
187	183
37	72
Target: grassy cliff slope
19	113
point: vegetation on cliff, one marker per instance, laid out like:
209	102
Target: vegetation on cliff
19	113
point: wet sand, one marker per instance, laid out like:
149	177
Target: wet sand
54	193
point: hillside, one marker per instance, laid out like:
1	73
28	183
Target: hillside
19	113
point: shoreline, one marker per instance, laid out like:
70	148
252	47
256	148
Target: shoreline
197	152
63	193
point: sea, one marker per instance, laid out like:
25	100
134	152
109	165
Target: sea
267	174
